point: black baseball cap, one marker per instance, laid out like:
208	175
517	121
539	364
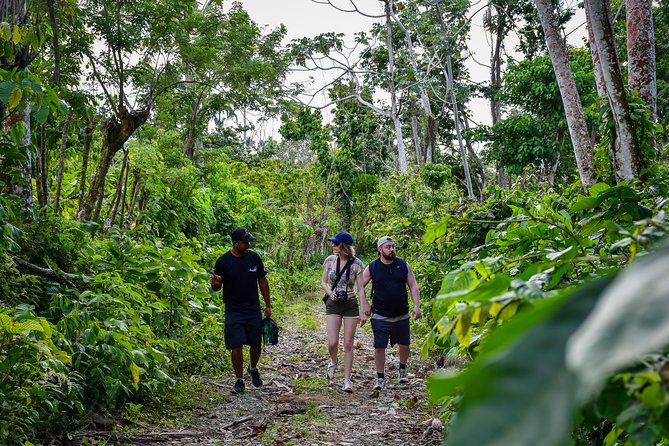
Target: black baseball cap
241	235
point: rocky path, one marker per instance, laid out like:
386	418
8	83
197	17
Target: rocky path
298	406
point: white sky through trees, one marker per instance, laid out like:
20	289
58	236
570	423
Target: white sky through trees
307	18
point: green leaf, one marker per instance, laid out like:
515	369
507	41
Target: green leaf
15	98
16	37
630	321
5	31
525	393
41	114
598	188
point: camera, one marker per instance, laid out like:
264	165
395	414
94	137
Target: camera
341	296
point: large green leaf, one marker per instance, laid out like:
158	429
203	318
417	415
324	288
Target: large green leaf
524	394
630	320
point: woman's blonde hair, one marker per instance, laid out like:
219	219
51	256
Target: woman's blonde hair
347	250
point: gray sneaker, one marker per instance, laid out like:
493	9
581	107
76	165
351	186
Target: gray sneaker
330	370
379	384
402	376
348	386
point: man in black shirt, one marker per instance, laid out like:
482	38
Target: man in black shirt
241	272
390	276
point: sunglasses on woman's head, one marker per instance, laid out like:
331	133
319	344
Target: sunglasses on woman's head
335	243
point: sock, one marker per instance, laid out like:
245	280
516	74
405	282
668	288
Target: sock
402	366
380	375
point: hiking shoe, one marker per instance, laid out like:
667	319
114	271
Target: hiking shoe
255	376
379	384
329	371
239	386
348	386
402	376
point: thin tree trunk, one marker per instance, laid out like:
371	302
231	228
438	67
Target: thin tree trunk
189	145
458	132
55	42
430	139
41	173
111	212
121	188
133	195
416	134
116	133
641	72
483	177
401	148
424	100
571	100
625	150
88	139
596	64
61	164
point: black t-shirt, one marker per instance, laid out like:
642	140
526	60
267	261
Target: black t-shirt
240	280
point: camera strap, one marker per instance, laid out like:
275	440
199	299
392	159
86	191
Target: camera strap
347	268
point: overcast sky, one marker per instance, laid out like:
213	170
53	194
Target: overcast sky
306	18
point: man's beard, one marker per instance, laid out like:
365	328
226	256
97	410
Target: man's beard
390	257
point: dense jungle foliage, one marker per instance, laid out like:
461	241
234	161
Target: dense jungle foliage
123	176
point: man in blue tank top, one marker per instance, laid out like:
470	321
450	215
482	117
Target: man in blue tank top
390	276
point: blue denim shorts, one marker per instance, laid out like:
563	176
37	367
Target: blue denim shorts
397	332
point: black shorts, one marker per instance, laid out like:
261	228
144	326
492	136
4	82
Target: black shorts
397	332
243	328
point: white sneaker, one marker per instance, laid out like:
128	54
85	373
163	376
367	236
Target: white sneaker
330	370
379	384
402	376
348	386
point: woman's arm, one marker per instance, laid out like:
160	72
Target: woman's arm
325	281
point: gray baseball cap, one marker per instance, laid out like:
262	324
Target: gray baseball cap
384	239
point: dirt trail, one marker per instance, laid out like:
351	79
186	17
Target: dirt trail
298	406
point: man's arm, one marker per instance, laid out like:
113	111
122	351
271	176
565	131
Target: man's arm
415	293
264	290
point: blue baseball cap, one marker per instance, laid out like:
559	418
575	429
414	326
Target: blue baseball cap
342	237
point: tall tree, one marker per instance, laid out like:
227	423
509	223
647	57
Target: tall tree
641	66
625	150
570	97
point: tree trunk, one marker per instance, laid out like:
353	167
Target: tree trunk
430	139
424	100
133	200
61	164
483	177
458	132
88	139
41	172
120	195
625	151
416	134
401	148
189	145
116	131
55	42
641	70
596	64
571	100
